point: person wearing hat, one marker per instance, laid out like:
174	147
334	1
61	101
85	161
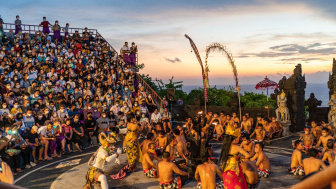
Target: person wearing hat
32	140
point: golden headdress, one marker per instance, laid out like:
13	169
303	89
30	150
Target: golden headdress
231	130
107	140
283	94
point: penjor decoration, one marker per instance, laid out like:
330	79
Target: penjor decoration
220	48
204	72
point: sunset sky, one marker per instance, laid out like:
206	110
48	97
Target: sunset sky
265	37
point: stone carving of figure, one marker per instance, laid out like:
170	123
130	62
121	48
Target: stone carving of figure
332	111
282	112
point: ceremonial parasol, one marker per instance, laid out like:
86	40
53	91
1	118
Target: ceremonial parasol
266	84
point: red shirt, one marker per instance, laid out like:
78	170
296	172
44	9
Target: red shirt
45	24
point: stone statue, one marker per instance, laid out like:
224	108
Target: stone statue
332	111
282	112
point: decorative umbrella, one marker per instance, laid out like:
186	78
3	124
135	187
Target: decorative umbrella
266	84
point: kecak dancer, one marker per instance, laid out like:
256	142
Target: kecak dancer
99	159
233	175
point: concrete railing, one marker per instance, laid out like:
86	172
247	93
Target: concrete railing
31	29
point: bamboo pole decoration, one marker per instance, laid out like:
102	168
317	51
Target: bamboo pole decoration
220	48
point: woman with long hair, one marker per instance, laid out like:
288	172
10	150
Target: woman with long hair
233	176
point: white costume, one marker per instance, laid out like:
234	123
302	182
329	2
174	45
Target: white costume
100	158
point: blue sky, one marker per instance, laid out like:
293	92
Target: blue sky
265	37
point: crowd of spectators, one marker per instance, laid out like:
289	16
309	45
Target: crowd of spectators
59	91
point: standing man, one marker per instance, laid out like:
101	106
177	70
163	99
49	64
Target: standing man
165	173
206	174
45	24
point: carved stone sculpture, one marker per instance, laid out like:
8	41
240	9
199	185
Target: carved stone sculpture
282	112
332	111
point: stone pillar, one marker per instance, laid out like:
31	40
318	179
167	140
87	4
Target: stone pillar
332	80
294	87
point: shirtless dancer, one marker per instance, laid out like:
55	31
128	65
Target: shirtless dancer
259	132
246	125
268	128
263	163
259	119
247	144
312	164
181	142
316	131
308	139
250	119
206	175
235	118
148	166
329	155
189	124
277	128
161	142
208	117
219	129
215	116
250	171
323	124
296	166
173	149
144	144
324	139
222	117
165	173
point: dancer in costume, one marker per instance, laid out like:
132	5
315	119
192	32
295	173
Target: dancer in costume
132	143
132	147
233	176
99	159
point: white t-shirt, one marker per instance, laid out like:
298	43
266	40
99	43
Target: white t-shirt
155	117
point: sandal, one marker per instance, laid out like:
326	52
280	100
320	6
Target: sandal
63	152
46	159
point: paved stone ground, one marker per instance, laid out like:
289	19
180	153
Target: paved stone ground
279	152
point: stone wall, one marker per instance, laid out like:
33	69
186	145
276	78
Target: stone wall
181	113
321	114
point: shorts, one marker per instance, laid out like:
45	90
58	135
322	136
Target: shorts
176	183
263	172
219	185
150	172
36	147
297	171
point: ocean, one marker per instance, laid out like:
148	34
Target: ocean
320	90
